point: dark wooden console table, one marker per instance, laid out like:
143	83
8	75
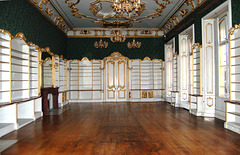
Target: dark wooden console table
44	93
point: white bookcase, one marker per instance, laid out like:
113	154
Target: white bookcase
136	79
57	74
62	97
97	92
68	71
35	79
74	82
233	106
146	82
175	92
5	74
20	103
196	97
85	80
34	70
7	113
20	66
47	73
158	78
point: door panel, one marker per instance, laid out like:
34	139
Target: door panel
116	80
110	80
121	79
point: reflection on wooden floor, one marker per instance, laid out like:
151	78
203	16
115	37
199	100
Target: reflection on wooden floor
124	128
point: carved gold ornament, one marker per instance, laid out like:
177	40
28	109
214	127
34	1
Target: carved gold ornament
144	94
128	8
21	36
49	11
146	32
118	37
101	44
190	2
126	11
134	44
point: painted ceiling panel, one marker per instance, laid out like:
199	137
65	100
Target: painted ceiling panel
75	14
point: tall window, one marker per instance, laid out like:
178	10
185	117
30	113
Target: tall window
223	54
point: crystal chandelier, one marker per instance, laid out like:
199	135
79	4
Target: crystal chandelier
134	44
101	44
118	37
128	8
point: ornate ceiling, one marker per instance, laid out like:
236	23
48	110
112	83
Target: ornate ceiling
91	18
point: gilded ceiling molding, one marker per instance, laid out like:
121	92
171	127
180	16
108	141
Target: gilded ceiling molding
146	32
47	9
190	2
183	12
108	33
162	29
94	10
185	9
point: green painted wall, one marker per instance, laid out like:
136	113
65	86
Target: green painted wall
195	18
20	16
77	48
235	12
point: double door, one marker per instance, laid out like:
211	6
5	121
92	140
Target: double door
116	80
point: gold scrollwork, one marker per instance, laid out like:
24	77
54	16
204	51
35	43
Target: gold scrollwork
210	100
45	2
146	32
232	29
5	31
49	11
21	36
32	44
95	10
150	94
183	12
190	2
144	94
85	32
196	45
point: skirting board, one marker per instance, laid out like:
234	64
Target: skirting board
220	114
184	105
85	101
147	100
168	99
6	128
132	100
232	126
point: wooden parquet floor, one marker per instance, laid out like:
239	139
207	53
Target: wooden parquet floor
124	128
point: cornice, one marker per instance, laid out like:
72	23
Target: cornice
107	33
182	12
47	9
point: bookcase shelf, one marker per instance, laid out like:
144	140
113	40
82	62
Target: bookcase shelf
146	79
85	75
175	91
195	97
233	106
19	88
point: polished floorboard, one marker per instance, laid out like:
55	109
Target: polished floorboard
123	128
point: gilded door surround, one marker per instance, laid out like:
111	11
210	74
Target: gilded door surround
115	70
